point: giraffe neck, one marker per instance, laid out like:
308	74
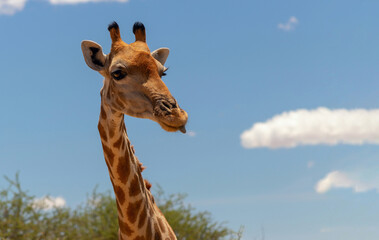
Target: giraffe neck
138	216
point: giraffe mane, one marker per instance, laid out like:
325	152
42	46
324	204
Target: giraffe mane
148	185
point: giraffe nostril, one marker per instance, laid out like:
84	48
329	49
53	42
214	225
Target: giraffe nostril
167	105
173	103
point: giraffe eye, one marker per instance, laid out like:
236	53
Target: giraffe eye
118	74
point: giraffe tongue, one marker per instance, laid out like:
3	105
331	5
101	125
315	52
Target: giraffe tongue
183	129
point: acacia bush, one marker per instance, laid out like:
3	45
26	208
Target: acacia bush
96	219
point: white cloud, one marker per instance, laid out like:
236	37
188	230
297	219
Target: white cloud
10	7
289	25
64	2
48	203
358	181
311	127
191	133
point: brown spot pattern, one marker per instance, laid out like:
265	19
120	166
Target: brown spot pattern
122	126
111	132
118	142
135	188
102	132
133	210
149	230
161	225
123	169
151	211
119	209
122	146
124	227
142	218
102	114
155	226
109	155
120	195
110	171
158	234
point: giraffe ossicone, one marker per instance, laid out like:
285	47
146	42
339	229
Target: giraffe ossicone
133	86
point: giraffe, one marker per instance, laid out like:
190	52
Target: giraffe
133	86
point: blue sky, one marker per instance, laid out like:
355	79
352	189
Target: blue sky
283	71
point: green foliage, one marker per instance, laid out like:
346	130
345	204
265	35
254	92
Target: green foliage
96	219
189	224
20	220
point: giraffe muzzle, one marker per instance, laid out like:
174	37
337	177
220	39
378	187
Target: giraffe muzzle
167	105
170	116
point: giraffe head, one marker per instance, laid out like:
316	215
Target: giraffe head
133	79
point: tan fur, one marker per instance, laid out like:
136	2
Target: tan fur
141	93
142	88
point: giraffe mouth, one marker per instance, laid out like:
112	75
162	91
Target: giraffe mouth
173	121
170	116
169	128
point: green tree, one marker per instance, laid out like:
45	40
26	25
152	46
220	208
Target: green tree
189	224
19	219
96	218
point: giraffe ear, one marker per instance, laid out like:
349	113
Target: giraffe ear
161	54
93	55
